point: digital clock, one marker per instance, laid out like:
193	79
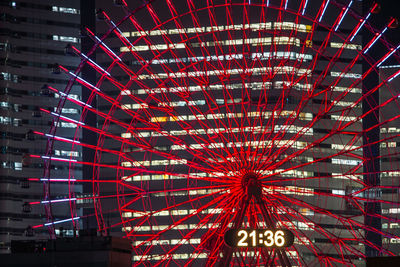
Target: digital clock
251	238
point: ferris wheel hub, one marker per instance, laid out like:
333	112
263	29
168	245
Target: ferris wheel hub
251	184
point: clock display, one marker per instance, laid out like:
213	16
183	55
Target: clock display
251	238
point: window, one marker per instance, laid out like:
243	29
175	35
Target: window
65	153
12	165
6	76
347	46
65	39
68	10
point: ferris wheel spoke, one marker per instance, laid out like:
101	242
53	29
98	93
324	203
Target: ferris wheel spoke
285	221
345	221
203	223
199	100
139	144
332	133
324	232
148	214
199	226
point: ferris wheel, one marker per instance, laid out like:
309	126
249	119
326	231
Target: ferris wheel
260	133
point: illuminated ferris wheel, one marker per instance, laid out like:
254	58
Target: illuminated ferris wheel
256	133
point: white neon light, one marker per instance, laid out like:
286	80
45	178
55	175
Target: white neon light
115	27
344	14
62	221
59	159
74	99
66	118
359	28
103	44
94	63
80	79
385	58
62	138
57	180
286	4
323	12
394	77
58	200
376	39
304	8
121	34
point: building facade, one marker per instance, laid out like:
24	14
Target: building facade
389	162
33	38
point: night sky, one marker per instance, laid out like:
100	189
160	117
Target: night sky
389	8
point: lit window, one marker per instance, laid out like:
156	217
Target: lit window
347	46
67	10
65	39
346	75
394	210
338	192
67	125
346	162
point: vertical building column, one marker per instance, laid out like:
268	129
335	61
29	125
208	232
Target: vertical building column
88	19
371	168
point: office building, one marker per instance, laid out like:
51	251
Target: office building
33	37
389	162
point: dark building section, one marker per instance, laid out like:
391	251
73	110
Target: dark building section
383	261
371	165
390	162
88	251
88	21
33	37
